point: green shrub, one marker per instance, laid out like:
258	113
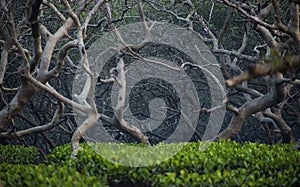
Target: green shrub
16	154
221	164
46	175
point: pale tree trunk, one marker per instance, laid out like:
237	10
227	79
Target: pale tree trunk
27	89
25	93
81	130
87	93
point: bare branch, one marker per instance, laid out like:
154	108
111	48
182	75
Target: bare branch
4	53
37	40
162	9
245	13
243	46
284	128
225	24
144	23
216	80
271	67
49	48
121	81
236	54
61	58
60	97
38	129
253	106
267	36
277	15
294	23
89	16
26	59
55	10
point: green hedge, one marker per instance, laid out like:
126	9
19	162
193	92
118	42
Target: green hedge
222	164
18	154
46	175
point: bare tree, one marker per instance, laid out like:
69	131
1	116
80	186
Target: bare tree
281	40
36	70
42	49
277	24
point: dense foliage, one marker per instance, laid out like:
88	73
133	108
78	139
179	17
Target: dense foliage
222	164
18	154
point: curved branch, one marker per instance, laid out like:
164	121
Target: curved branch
55	10
251	107
285	130
236	54
270	68
38	129
61	58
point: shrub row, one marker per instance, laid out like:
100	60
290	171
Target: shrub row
21	175
18	154
221	164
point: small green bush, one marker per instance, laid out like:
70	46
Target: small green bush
18	154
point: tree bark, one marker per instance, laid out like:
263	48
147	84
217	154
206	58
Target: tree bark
251	107
27	89
286	132
25	93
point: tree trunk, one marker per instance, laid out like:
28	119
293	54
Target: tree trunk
251	107
25	93
286	132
